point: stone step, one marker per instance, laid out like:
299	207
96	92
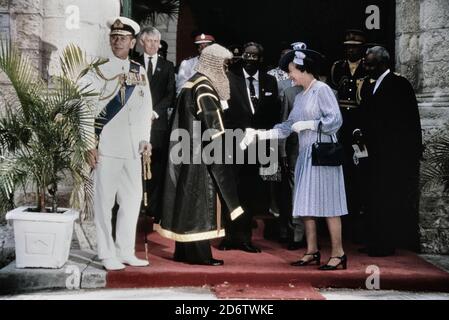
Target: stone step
80	272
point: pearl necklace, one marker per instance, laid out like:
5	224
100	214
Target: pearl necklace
310	85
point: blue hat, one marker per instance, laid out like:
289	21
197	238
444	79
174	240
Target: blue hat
298	54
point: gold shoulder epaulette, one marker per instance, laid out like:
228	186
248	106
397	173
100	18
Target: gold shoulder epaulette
190	84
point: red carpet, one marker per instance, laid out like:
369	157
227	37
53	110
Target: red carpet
268	275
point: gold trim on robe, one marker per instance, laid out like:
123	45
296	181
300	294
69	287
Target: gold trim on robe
209	235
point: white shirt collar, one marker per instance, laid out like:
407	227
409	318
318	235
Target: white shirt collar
154	56
154	61
256	76
379	81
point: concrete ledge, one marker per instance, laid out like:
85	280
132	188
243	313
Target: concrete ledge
81	271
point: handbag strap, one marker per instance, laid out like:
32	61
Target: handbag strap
318	138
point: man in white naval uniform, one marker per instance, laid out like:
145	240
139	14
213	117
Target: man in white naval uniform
187	67
123	126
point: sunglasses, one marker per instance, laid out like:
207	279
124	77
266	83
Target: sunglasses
250	56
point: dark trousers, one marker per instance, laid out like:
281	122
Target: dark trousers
156	183
356	187
196	252
393	211
254	195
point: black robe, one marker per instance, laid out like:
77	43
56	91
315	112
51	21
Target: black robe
391	125
190	203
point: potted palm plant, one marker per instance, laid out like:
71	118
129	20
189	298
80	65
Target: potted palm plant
43	142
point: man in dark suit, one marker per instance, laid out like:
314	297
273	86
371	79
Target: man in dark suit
161	76
253	104
391	126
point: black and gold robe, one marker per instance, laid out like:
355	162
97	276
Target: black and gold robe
190	191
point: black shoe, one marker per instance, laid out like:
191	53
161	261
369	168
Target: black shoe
245	246
343	263
212	262
295	245
316	257
248	247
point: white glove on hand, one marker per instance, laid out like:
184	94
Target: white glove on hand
303	125
144	146
154	116
250	136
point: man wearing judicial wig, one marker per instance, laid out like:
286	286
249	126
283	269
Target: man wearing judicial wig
122	131
190	215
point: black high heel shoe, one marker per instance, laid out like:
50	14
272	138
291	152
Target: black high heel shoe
343	263
316	257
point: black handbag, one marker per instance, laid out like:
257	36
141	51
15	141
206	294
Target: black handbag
327	153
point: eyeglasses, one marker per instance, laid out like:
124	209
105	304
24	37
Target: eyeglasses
250	56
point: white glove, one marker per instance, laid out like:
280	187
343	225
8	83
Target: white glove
303	125
250	136
144	146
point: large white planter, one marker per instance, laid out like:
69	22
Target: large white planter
42	239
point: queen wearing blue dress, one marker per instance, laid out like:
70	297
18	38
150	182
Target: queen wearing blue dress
319	190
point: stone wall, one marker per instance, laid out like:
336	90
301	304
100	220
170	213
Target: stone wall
422	42
168	29
91	34
42	28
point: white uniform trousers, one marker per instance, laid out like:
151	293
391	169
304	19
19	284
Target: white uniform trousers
122	178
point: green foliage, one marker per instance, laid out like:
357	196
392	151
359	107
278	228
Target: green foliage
435	170
146	11
43	130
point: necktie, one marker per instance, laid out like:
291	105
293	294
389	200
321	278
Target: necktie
150	68
252	91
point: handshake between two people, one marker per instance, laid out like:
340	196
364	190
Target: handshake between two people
251	134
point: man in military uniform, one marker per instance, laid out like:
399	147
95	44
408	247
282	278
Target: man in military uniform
122	128
347	77
187	67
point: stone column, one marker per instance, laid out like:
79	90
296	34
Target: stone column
22	24
26	23
422	44
81	22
